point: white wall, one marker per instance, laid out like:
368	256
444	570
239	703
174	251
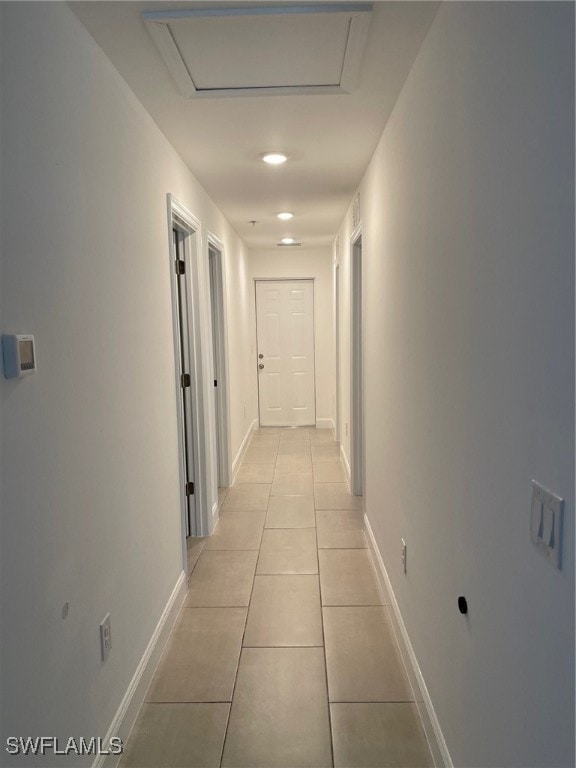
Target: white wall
90	483
313	263
468	217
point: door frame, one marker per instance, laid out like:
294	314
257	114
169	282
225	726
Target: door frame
219	332
337	332
356	364
286	280
180	218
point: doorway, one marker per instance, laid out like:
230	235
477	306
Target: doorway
357	371
219	358
191	367
179	237
285	349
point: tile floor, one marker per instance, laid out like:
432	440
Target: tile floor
283	655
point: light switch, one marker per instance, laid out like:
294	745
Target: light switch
546	519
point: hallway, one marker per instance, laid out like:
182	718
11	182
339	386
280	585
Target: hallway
427	189
283	654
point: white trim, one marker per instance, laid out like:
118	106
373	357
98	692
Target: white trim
325	424
203	469
215	515
241	451
223	446
356	363
127	712
346	463
430	722
337	334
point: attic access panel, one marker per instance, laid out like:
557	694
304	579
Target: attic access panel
261	51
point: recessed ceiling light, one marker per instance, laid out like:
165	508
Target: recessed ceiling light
288	240
274	158
285	216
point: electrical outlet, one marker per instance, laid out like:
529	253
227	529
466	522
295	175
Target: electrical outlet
105	636
404	564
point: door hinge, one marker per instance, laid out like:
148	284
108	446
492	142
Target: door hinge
185	380
189	488
215	382
180	267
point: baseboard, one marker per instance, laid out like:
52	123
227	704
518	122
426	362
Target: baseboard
346	464
240	455
325	424
434	734
127	713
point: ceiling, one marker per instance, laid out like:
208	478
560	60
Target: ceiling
225	86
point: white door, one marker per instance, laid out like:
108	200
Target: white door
285	335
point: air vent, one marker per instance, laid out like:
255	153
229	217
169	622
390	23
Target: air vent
261	51
288	245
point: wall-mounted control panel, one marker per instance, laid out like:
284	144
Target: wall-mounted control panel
19	355
546	521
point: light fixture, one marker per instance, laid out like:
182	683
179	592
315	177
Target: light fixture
285	216
288	240
274	158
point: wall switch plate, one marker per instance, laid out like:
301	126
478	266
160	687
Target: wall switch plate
404	563
105	636
546	523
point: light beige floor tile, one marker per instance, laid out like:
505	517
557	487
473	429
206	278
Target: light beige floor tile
362	658
194	547
376	735
325	452
347	577
323	437
328	471
177	736
268	431
237	530
284	611
294	463
287	483
279	717
255	455
286	551
298	433
340	529
335	496
264	441
255	473
290	512
294	448
201	657
222	579
247	496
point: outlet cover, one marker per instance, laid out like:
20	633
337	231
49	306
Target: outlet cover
105	636
546	523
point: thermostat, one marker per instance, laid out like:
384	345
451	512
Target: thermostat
19	355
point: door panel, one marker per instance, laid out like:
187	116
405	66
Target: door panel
285	331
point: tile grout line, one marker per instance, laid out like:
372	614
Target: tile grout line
243	635
324	642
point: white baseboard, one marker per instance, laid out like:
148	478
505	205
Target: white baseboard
240	455
133	699
325	424
434	734
346	464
